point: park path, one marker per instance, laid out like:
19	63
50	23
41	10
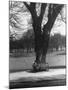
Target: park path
44	75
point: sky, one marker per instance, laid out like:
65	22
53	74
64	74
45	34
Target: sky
60	29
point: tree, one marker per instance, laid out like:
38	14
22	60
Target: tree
41	31
42	34
57	41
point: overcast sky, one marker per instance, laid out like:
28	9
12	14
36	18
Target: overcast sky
60	29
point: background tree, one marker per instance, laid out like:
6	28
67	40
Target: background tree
57	41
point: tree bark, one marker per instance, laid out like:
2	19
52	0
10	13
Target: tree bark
38	39
42	38
45	40
41	41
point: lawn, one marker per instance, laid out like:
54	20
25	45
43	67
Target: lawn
21	63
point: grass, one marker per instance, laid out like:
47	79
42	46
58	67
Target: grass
55	59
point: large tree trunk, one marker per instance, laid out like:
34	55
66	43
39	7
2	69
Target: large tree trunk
45	42
41	42
41	47
38	40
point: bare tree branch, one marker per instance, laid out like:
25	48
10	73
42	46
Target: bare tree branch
62	18
43	7
28	7
31	8
52	17
57	9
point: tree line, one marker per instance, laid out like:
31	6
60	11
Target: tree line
27	42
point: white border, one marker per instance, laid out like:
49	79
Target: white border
4	44
45	1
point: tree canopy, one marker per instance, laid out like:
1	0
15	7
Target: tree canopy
18	9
